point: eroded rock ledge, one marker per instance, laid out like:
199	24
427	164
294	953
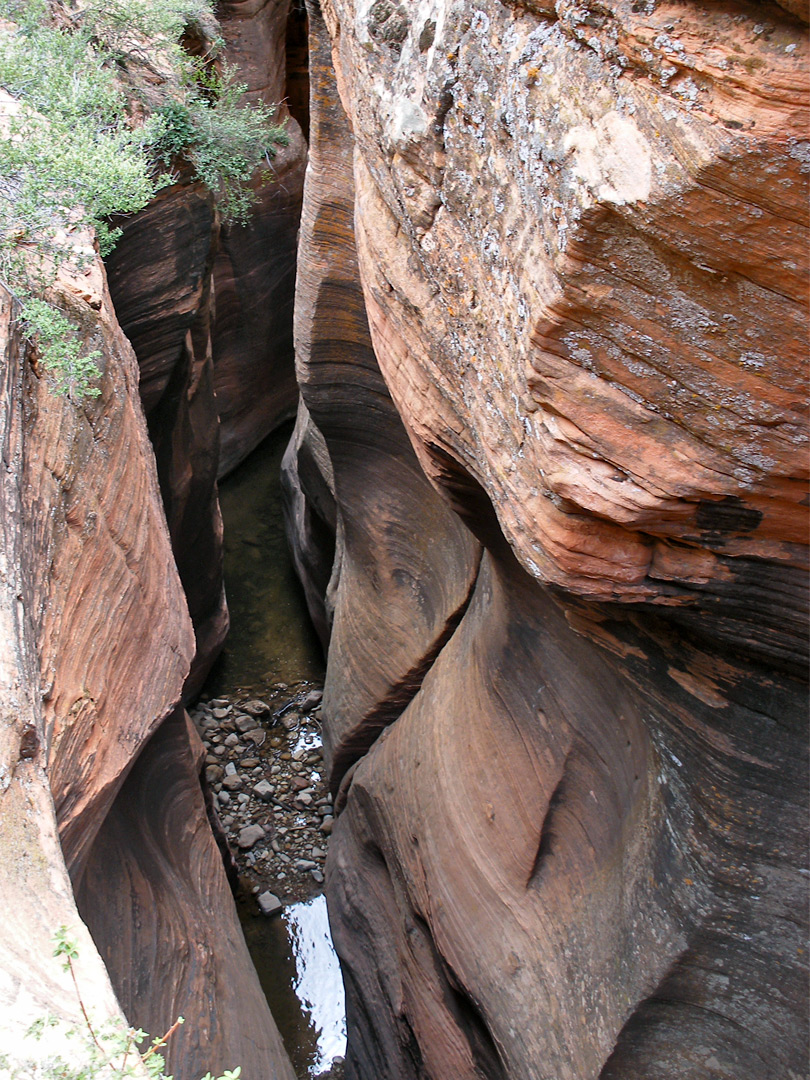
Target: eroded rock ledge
571	835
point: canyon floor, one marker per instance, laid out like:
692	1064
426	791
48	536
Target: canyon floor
267	795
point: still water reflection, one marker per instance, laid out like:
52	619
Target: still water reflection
300	975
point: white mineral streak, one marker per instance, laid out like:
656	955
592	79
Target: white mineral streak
613	158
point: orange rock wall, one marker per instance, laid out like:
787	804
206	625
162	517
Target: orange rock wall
98	652
160	279
98	655
574	848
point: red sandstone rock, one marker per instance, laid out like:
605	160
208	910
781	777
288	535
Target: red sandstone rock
581	234
254	273
109	618
35	890
310	518
155	887
160	279
425	562
99	645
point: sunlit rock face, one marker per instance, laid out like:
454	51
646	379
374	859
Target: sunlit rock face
35	890
110	623
577	848
404	563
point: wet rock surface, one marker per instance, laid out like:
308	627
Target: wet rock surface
266	785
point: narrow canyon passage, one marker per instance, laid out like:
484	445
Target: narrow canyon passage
272	660
529	281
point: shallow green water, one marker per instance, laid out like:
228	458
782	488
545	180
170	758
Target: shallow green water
271	638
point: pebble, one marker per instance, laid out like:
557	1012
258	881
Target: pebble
220	714
269	903
249	836
250	770
256	707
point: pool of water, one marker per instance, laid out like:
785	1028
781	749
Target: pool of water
300	975
271	638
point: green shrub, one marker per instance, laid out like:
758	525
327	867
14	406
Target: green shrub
226	142
59	349
106	1051
72	154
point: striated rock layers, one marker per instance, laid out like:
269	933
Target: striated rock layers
97	648
160	279
254	272
572	771
208	309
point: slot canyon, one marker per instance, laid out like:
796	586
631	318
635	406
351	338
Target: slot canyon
531	280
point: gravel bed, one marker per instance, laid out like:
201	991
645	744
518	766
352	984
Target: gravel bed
266	793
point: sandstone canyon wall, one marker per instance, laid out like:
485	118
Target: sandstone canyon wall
254	272
562	248
101	796
208	309
98	648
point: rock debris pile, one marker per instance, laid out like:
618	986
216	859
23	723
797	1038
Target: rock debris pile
266	786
